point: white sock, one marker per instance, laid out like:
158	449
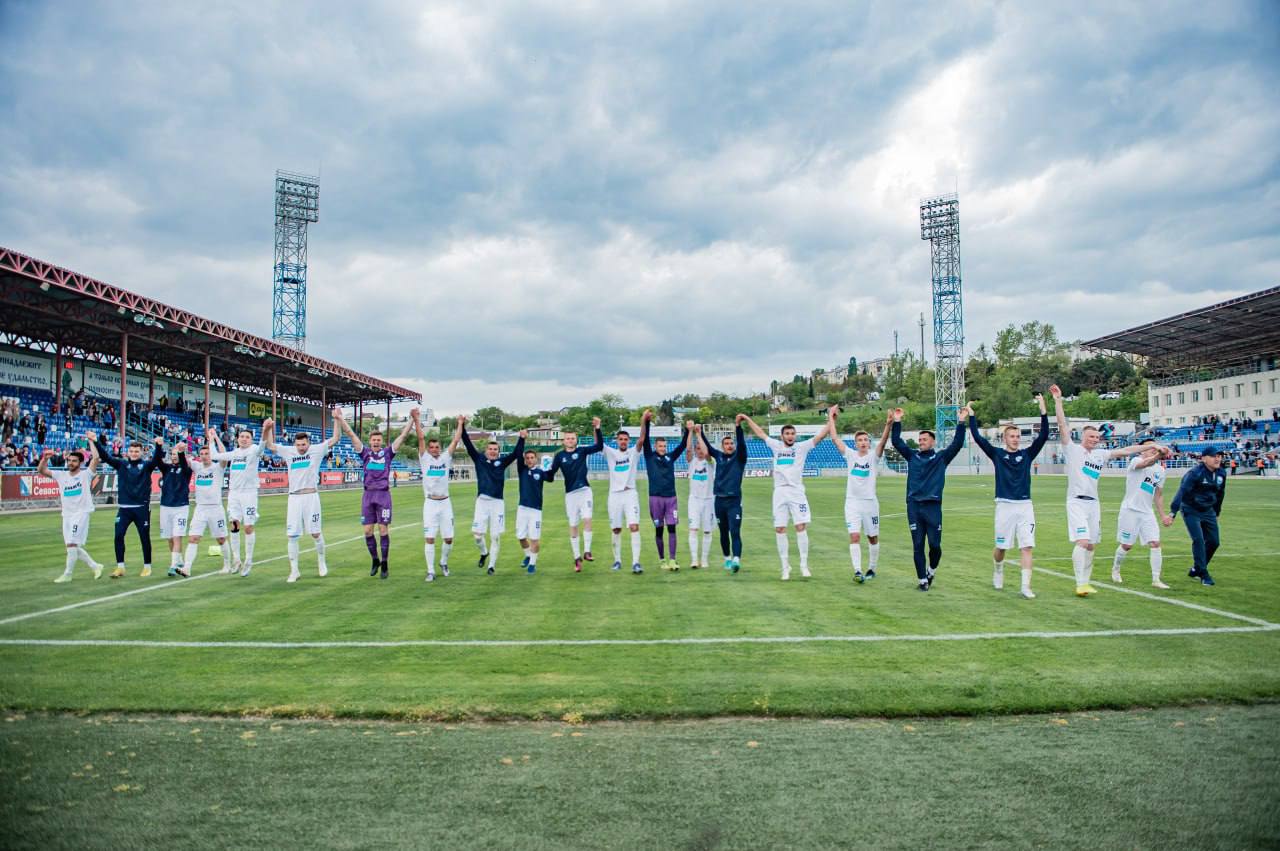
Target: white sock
802	541
249	538
429	552
783	547
1119	559
524	549
855	555
617	546
533	556
1026	579
120	565
586	541
873	555
1088	565
480	545
494	544
235	544
1078	557
190	559
444	552
635	547
706	547
293	554
174	558
575	546
226	554
693	546
84	556
72	558
1157	559
320	549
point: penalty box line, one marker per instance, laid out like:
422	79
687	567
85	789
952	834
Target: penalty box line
628	642
174	583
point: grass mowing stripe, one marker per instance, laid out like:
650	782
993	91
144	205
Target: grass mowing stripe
1171	600
174	584
624	642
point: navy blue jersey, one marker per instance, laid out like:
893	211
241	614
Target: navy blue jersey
133	478
175	482
491	475
1202	490
572	466
729	468
662	468
1013	469
531	482
926	471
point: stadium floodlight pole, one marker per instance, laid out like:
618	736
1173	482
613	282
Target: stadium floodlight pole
940	226
297	205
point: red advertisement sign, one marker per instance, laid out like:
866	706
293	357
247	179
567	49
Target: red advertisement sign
331	477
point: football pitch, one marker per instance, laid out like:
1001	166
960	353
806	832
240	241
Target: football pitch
336	677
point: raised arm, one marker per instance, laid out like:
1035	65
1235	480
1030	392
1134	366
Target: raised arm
466	441
99	442
516	452
94	457
1134	449
414	416
983	443
269	434
337	433
644	433
42	469
404	433
701	434
1043	437
895	435
355	438
755	429
884	436
599	445
457	436
829	427
741	449
957	441
684	441
835	433
1064	433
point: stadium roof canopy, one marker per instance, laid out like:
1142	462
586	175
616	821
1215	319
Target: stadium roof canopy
53	309
1234	332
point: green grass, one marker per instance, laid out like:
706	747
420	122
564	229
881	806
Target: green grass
1166	778
884	678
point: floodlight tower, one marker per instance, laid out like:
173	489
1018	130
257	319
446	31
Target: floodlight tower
297	204
940	225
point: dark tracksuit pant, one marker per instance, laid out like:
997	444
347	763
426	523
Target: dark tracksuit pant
729	517
925	520
1202	526
140	516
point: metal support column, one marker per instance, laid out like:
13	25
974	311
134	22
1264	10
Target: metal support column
57	382
324	410
274	396
124	387
206	393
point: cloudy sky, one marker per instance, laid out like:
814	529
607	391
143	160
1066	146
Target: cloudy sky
527	204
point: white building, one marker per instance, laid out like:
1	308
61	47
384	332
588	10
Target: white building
1234	394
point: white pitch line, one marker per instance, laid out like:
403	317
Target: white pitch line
1171	600
170	584
627	642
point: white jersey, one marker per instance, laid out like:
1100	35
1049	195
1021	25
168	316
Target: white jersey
208	482
304	470
622	468
862	474
788	462
435	474
702	476
1083	469
75	491
243	464
1140	485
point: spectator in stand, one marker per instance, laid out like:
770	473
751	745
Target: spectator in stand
42	429
181	405
24	424
108	417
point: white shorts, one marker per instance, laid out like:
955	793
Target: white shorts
577	505
75	528
491	515
1084	520
528	523
208	515
702	513
790	503
1137	526
173	521
862	515
242	507
624	509
1015	521
303	515
437	516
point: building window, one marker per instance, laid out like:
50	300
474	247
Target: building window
1273	385
1182	398
1155	400
1239	393
1195	395
1257	387
1208	394
1181	420
1224	393
1257	412
1168	399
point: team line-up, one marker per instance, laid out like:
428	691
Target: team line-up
715	497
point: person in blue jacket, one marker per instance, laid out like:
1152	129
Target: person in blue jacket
490	513
133	497
731	465
926	477
1200	501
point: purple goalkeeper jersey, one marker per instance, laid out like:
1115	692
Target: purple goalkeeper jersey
377	468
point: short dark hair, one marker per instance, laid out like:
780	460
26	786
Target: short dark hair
623	431
376	431
530	452
858	434
245	431
134	443
302	435
435	440
76	453
788	426
491	443
1146	440
928	432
